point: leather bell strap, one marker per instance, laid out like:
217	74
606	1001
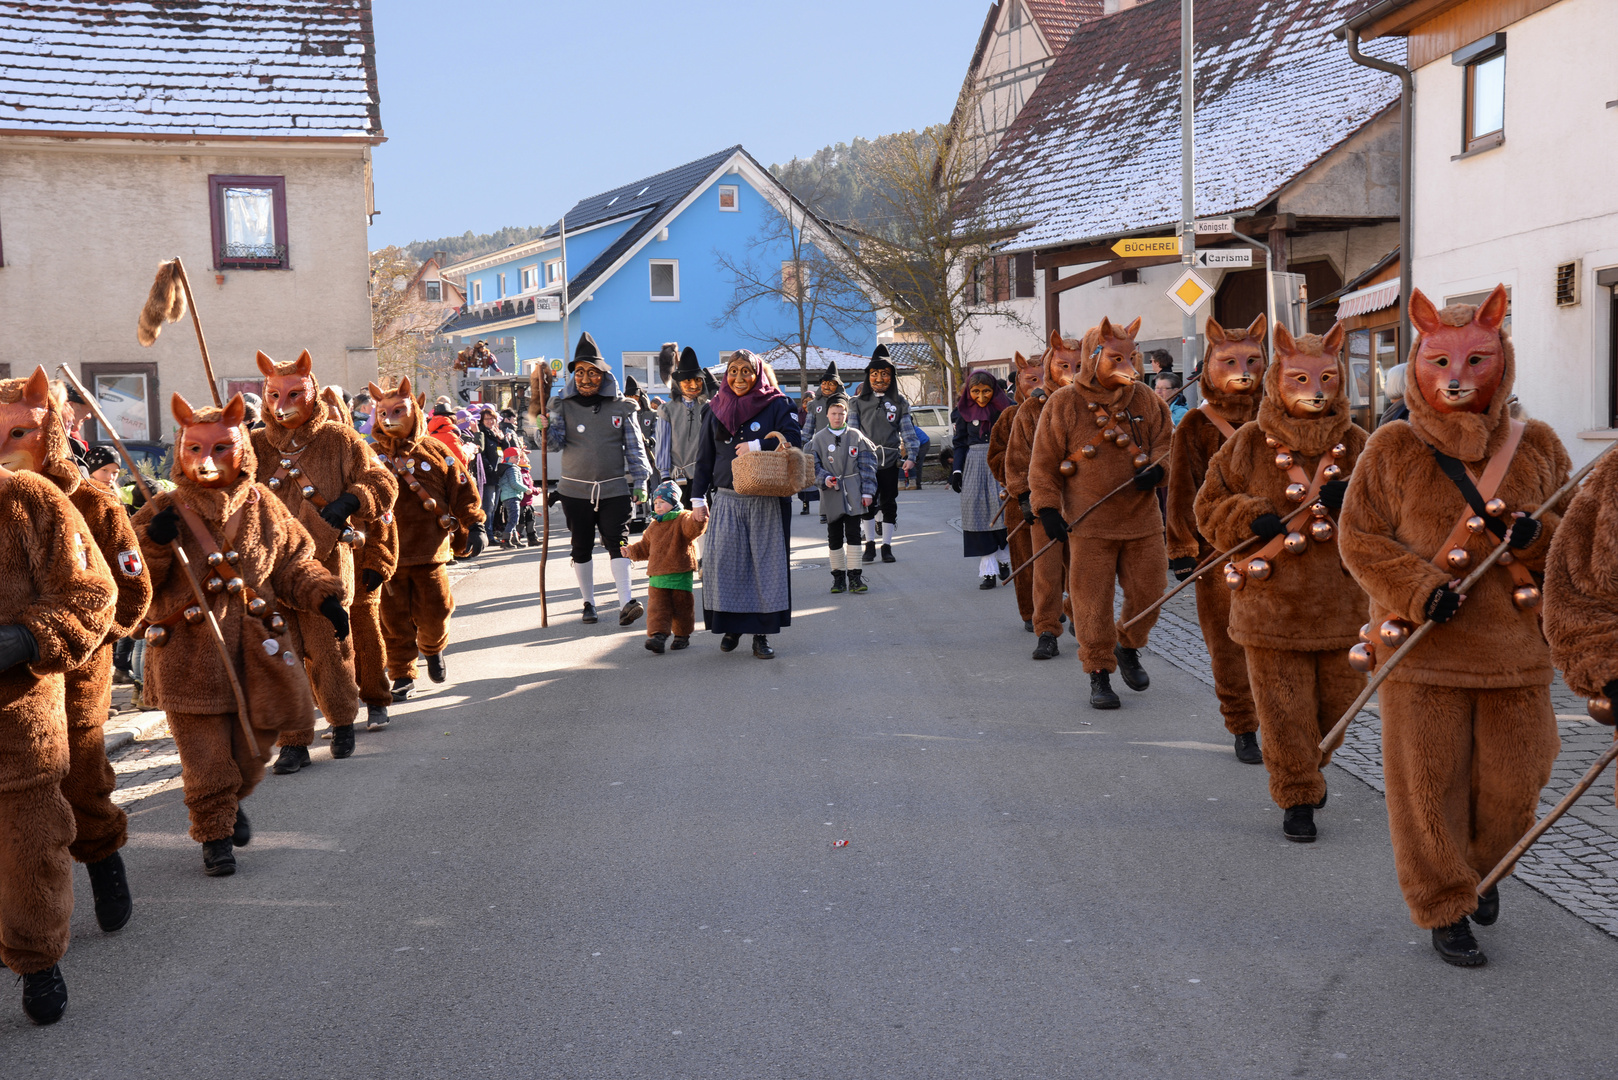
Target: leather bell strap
405	474
1273	547
1119	427
283	473
1484	488
1216	420
224	570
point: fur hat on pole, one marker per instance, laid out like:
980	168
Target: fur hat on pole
665	361
589	354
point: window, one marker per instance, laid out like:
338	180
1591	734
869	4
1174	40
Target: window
1483	123
499	286
643	366
477	292
553	271
1476	298
432	291
530	278
127	393
791	274
728	198
1608	279
665	279
248	215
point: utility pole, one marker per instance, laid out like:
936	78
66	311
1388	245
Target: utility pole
566	353
1188	210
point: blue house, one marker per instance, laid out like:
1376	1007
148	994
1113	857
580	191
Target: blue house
643	269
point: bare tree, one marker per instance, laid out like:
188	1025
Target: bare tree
404	322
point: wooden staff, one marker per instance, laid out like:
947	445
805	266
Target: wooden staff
196	321
1506	864
544	492
1032	559
179	555
1466	585
1213	560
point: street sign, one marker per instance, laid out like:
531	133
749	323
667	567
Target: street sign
1136	247
1218	226
1188	292
1220	258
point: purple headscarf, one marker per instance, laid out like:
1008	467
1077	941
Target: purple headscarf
732	411
967	409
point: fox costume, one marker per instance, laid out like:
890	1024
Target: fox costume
1112	429
1294	608
216	511
1049	574
33	438
1232	383
1019	541
435	509
1468	730
1581	588
58	600
331	481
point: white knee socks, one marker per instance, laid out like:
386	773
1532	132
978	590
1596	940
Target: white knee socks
585	572
890	533
620	577
868	529
839	558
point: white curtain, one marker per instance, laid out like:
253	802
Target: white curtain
249	222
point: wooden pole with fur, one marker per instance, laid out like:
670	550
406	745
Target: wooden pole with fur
168	301
180	557
539	399
1471	579
1505	865
1034	558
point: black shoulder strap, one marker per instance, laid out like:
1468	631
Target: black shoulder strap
1452	468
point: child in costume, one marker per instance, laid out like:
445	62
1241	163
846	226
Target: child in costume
669	549
511	489
436	509
845	468
258	565
1468	729
1232	383
326	474
1293	609
882	414
1103	430
982	537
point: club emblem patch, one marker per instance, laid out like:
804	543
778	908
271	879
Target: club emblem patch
129	562
617	421
387	518
854	451
891	409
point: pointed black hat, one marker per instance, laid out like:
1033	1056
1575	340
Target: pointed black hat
689	366
830	374
588	353
879	360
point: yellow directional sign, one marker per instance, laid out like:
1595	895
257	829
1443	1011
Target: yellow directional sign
1136	247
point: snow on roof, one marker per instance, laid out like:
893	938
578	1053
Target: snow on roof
1095	152
189	67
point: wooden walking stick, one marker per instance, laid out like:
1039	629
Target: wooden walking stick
180	557
1466	585
1212	561
543	371
1506	864
1032	559
168	301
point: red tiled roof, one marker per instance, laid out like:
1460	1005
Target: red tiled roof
1096	150
1058	19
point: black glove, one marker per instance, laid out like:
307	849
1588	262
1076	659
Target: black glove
336	513
1148	478
955	482
1442	604
164	526
332	608
1524	531
17	646
1610	691
1027	507
371	579
1182	567
1268	526
1052	520
1332	494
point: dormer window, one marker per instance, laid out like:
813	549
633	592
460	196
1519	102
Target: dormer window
432	291
727	198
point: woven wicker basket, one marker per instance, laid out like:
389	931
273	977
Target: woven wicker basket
782	472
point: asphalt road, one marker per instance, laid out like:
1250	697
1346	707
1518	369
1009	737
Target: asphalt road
577	859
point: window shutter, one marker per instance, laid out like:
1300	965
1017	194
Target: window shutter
1025	276
1567	284
1002	278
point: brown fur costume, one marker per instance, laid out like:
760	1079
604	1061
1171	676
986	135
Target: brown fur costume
669	547
1196	440
1468	732
1298	625
53	581
1020	544
184	677
336	460
1048	576
1121	543
417	601
1581	585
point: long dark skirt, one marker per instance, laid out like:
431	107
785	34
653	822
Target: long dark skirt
746	572
982	531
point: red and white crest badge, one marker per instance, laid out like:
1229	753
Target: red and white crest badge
129	562
617	421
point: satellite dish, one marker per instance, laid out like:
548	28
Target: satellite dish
399	282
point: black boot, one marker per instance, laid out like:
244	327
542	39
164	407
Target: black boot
1101	692
589	615
1005	571
218	858
805	511
869	555
681	641
110	886
839	581
761	647
436	670
823	519
290	760
1047	647
1456	945
1324	794
728	642
342	740
242	834
1488	908
402	689
656	643
989	582
887	554
1028	625
1298	824
44	995
1247	751
376	717
1129	668
856	582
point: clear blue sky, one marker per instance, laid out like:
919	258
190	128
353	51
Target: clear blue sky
506	112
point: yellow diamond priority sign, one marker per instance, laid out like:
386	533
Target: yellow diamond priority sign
1188	292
